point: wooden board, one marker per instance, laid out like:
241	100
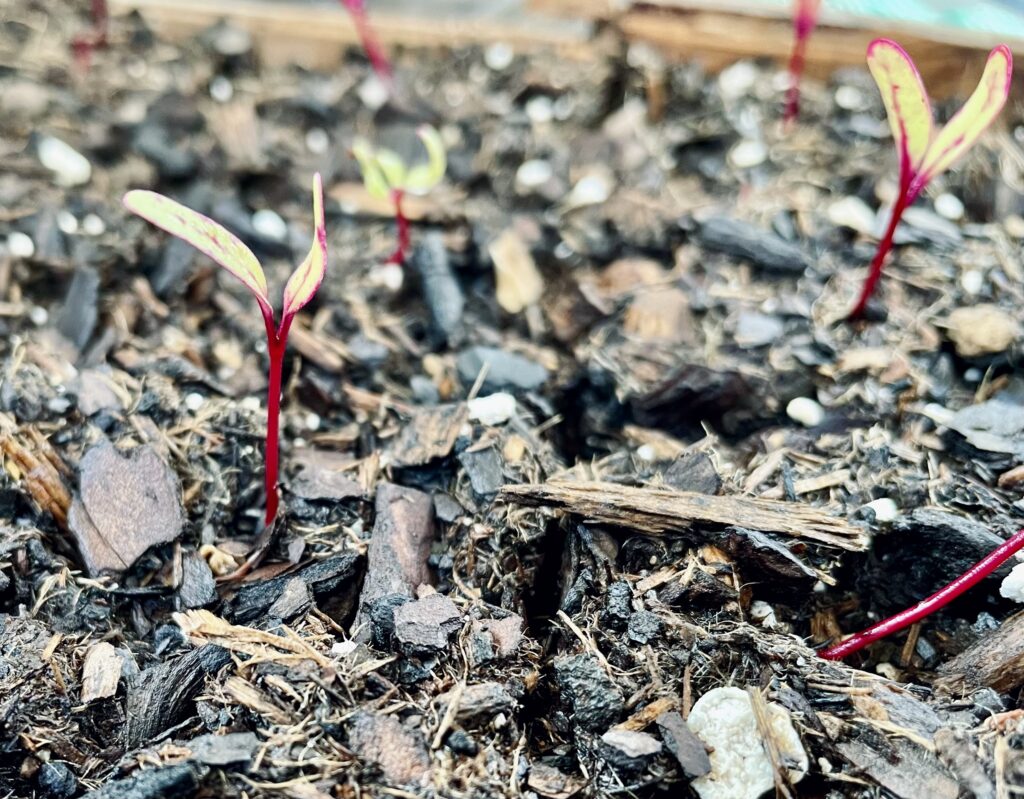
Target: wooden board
315	36
719	32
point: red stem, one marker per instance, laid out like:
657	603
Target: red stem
402	223
83	44
970	578
276	342
875	272
371	45
796	68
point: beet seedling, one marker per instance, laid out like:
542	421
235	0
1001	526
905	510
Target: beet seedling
386	176
805	19
925	151
970	578
230	253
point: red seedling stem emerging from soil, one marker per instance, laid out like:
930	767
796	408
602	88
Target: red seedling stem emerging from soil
970	578
402	224
277	340
875	271
371	44
805	17
83	44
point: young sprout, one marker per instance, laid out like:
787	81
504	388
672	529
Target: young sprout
386	176
371	45
924	150
970	578
230	253
805	18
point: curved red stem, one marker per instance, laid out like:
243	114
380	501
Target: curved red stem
277	340
970	578
875	272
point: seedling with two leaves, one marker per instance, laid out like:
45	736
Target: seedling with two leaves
228	251
924	150
386	176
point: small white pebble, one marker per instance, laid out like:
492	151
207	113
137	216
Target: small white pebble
592	189
748	153
93	225
373	92
647	453
194	401
38	315
270	224
533	174
312	422
317	141
67	222
736	80
885	510
854	213
805	411
540	109
762	612
70	167
221	89
21	245
342	649
973	281
849	98
251	404
949	206
387	276
494	409
1012	586
499	56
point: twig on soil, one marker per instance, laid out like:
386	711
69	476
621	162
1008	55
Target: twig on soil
661	510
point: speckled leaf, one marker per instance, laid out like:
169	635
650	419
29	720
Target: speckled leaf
204	234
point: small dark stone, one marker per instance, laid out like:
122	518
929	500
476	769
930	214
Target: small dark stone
644	626
596	700
382	619
618	605
484	468
686	747
76	318
750	243
198	588
703	591
763	558
460	743
441	289
505	370
57	780
694	471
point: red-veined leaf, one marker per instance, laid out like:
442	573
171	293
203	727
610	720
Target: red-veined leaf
306	279
205	235
980	110
906	102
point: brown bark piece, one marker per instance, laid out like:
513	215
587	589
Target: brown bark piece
996	661
403	532
661	510
126	505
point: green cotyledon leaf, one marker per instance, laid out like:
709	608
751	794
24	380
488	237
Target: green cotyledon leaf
306	279
205	235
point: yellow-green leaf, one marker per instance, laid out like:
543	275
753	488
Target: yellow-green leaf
306	279
373	177
906	102
205	235
974	117
423	177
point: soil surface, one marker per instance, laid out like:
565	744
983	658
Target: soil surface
604	447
